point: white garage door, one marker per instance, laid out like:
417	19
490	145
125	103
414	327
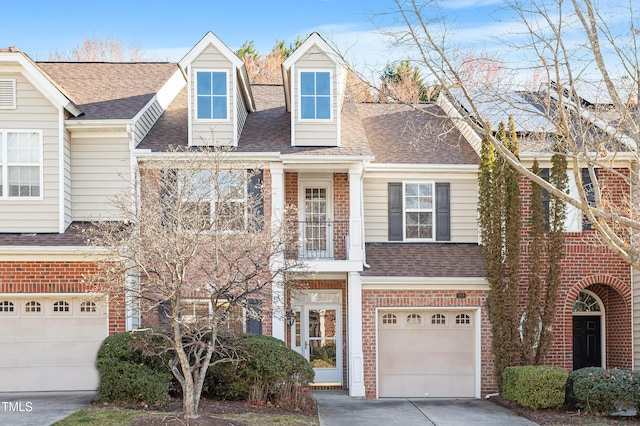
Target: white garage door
423	353
50	343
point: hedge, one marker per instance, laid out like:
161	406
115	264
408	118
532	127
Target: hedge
535	386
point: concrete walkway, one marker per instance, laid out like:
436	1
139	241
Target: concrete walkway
41	408
338	409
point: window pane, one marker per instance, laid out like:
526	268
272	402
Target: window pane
219	83
204	83
307	83
204	107
308	107
220	107
426	203
323	84
411	189
323	107
24	181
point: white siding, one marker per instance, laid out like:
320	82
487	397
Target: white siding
68	211
320	133
99	170
212	132
33	112
146	121
464	202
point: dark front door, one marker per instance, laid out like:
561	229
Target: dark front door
587	351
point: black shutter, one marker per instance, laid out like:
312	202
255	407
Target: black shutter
591	196
443	211
254	189
254	323
394	190
544	174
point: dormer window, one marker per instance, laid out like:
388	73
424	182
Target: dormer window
212	95
315	95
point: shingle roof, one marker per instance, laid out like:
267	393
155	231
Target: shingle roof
72	237
109	90
266	130
405	134
424	260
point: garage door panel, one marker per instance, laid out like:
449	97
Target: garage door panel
50	352
419	359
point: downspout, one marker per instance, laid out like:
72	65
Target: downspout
364	253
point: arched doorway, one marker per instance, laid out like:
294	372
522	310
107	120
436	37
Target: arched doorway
588	338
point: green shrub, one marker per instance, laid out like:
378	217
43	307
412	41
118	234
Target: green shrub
268	372
126	375
601	391
535	386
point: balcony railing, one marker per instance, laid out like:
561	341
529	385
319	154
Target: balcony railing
323	239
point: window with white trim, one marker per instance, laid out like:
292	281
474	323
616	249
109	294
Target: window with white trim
20	163
88	307
6	306
32	307
414	319
219	197
463	319
211	95
438	319
389	319
8	93
315	95
61	306
418	210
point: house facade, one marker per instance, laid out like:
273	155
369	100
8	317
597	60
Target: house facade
394	302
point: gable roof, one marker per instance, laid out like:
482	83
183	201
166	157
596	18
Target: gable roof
110	90
39	79
211	39
313	40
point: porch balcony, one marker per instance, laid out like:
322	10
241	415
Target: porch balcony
323	240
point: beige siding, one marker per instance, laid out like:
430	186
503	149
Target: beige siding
33	112
241	111
146	121
464	197
208	132
316	133
100	170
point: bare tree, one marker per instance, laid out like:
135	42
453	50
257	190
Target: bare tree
198	232
596	134
100	50
266	69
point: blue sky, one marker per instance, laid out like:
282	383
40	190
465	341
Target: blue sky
167	29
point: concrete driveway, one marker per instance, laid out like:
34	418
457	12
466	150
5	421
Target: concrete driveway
41	408
338	409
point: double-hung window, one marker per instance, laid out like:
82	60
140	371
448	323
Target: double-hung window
315	95
212	95
418	210
20	163
218	199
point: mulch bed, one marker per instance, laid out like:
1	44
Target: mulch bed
562	416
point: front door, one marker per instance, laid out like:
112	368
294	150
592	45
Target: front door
316	223
587	349
316	333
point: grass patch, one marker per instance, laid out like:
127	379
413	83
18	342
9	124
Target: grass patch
118	417
100	416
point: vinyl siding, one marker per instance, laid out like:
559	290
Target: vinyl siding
464	197
146	121
33	112
319	133
210	132
100	170
241	111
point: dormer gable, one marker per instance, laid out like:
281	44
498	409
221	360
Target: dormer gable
314	81
13	61
219	93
